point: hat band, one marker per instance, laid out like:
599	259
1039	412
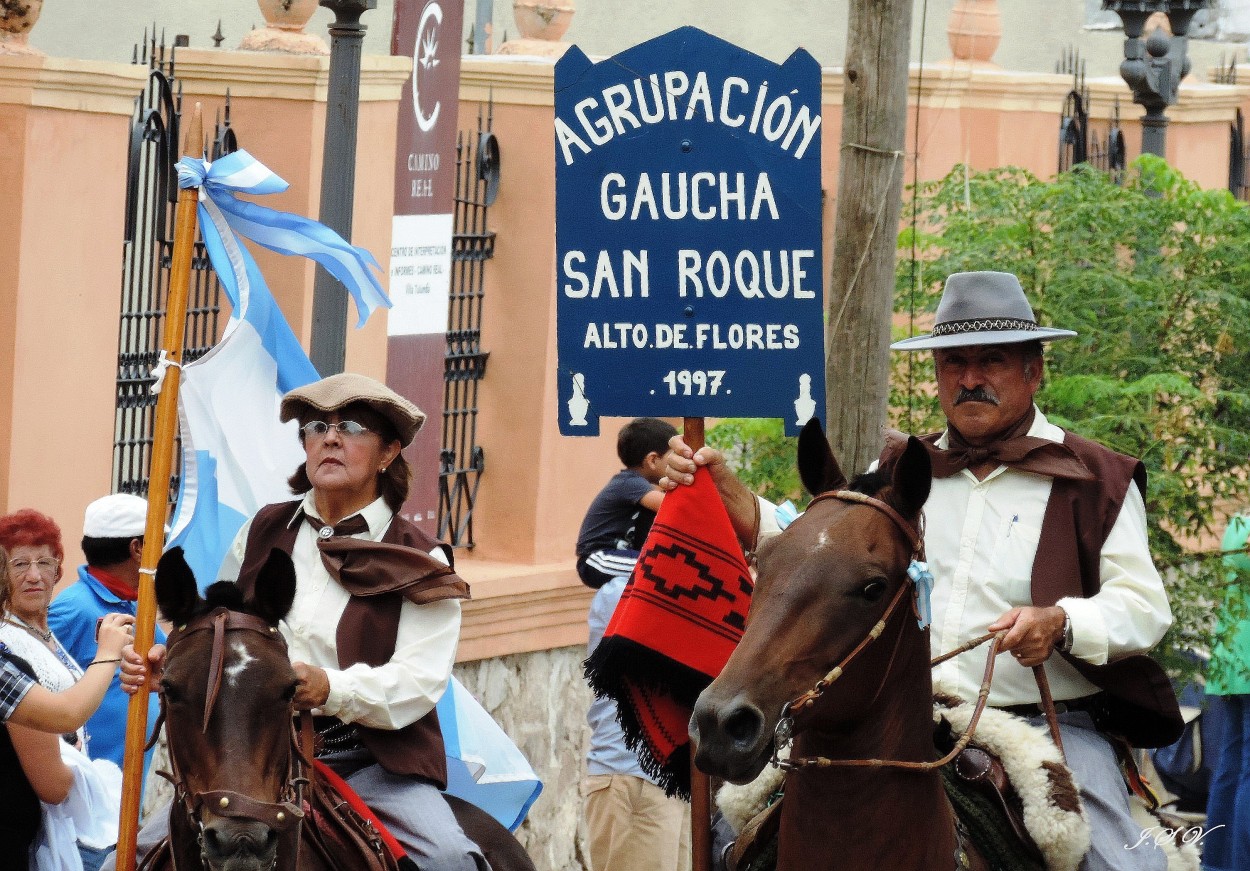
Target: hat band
982	325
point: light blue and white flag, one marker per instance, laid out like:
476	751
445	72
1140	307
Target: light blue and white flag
483	765
236	456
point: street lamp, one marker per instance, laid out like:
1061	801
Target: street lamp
1154	67
328	345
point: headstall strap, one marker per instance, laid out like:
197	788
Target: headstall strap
914	534
783	734
281	815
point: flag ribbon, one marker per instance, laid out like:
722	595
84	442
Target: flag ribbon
224	217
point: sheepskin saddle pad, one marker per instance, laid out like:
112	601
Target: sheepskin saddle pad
1011	769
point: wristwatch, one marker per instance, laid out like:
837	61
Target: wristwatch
1065	644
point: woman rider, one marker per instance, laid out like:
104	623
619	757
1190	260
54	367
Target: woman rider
370	667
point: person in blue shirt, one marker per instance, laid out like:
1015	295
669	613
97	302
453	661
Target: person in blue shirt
113	528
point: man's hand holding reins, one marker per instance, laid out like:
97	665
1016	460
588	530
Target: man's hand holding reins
1032	633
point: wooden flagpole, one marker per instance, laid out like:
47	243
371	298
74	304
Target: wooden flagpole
185	230
700	789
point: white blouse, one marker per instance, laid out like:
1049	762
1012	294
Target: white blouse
392	695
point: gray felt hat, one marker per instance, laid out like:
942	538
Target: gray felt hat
982	308
339	391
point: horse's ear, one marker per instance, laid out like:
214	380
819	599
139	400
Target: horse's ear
817	466
275	587
176	592
911	479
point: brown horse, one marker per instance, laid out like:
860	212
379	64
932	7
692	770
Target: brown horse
228	687
835	574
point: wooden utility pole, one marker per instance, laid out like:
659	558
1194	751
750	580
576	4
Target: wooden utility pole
869	201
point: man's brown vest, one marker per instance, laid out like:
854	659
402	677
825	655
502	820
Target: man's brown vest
416	749
1137	702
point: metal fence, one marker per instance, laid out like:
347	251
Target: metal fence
1238	156
1078	144
462	459
151	194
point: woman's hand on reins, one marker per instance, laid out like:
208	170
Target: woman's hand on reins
1032	633
312	686
135	670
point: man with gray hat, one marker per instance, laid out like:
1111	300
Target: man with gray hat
1038	533
112	541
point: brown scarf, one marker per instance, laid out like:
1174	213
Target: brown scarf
1014	448
372	568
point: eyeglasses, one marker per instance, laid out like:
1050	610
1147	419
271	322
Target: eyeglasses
47	567
343	427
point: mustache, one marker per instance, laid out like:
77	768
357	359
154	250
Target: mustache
977	394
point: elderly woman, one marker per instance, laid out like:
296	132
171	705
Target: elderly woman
41	693
33	542
370	667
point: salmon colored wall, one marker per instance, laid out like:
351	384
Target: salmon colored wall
63	125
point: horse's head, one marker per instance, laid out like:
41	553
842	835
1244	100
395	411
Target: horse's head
228	689
822	587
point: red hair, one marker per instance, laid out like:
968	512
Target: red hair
31	528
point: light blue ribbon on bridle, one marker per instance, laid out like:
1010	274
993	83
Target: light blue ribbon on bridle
923	579
222	216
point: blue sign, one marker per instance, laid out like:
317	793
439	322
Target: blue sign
688	213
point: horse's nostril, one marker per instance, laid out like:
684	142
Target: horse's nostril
743	725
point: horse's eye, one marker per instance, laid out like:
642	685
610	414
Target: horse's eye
289	692
873	590
170	692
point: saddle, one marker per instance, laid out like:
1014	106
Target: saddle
1017	799
977	785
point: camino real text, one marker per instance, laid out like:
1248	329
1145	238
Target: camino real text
692	198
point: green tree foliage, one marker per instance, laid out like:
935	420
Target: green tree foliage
1154	275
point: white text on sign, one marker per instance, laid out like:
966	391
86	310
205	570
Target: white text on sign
672	96
692	336
750	274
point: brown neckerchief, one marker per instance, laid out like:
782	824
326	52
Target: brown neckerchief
1138	702
368	629
1014	448
373	568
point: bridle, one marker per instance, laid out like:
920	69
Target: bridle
783	734
281	816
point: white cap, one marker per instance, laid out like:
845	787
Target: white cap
118	516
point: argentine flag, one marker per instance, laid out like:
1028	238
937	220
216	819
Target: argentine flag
236	456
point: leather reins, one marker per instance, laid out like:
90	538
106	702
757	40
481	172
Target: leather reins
280	816
783	734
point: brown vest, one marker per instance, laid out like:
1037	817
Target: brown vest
416	749
1137	701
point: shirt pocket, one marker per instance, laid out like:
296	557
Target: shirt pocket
1015	550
